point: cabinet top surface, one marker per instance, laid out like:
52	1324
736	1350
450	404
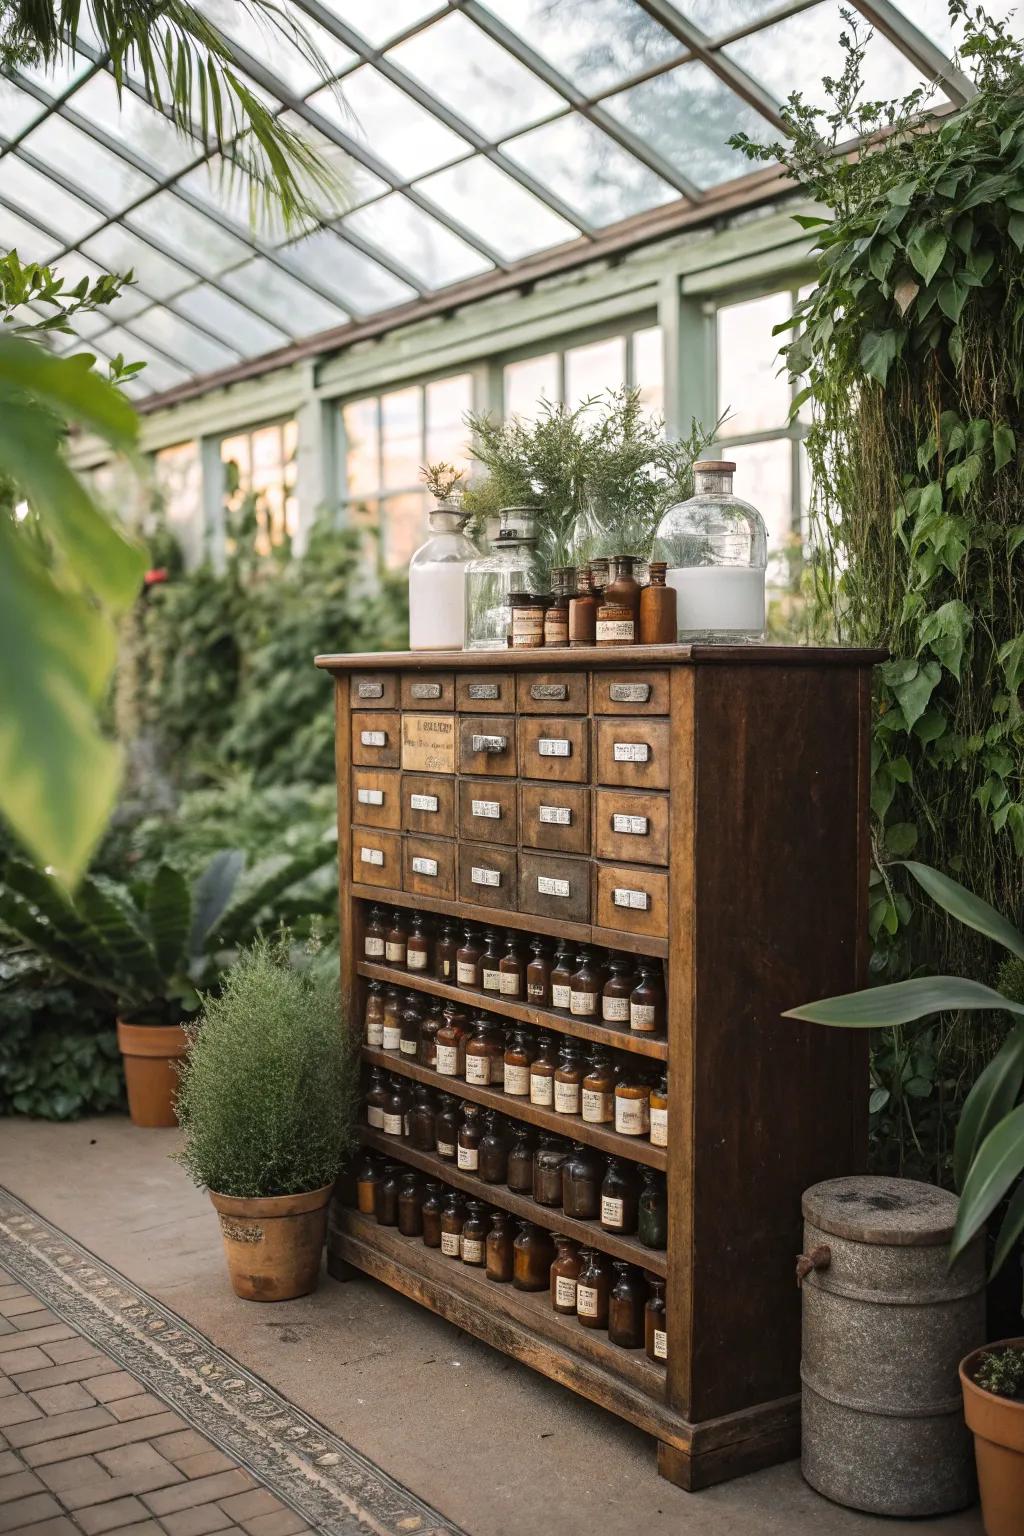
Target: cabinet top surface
545	658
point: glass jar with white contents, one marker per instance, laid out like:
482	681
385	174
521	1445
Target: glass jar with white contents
437	582
716	549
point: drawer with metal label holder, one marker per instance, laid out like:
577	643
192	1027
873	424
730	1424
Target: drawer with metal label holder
554	885
428	804
488	808
630	693
631	825
376	857
376	801
487	745
554	816
633	899
552	693
487	875
485	693
376	740
373	690
633	753
555	748
428	867
428	690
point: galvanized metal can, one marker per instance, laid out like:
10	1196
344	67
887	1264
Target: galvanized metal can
885	1324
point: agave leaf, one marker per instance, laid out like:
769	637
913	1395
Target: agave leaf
169	909
966	907
1011	1229
901	1002
116	923
989	1101
212	893
1000	1161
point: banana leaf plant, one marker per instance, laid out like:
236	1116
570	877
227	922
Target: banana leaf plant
154	945
988	1151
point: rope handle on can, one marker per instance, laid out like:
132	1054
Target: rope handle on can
820	1257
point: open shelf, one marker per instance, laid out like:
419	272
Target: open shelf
590	1233
526	1013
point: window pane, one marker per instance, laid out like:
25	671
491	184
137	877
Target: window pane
590	370
717	17
764	476
402	437
497	209
528	382
159	373
687	116
594	45
225	318
448	401
361	183
17	109
752	382
179	478
55	78
27	239
362	445
430	251
121	251
195	350
198	239
588	170
361	284
397	129
476	77
134	123
110	180
403	524
274	38
649	368
293	306
30	189
383	19
214	184
73	267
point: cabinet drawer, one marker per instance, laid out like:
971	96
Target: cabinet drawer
485	693
555	747
428	804
376	858
554	885
633	899
375	741
487	875
428	743
488	809
633	753
629	693
555	816
552	693
428	690
630	825
487	744
373	690
375	798
428	867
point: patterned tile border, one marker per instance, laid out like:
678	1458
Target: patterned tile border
333	1487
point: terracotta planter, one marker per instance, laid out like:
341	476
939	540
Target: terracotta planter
998	1427
150	1051
273	1246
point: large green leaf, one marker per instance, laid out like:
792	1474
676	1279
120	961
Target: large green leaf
992	1097
901	1002
169	909
56	909
926	248
999	1163
1011	1229
20	918
967	908
212	893
260	886
70	387
116	921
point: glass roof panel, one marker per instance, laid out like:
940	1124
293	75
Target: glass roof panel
425	247
133	123
74	266
717	18
17	109
198	352
362	184
270	38
209	307
687	115
31	190
381	20
476	77
393	127
296	309
932	18
588	170
361	284
214	185
191	234
56	77
121	251
107	178
596	44
490	204
26	238
160	372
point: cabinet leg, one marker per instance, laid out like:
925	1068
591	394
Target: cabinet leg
676	1466
341	1269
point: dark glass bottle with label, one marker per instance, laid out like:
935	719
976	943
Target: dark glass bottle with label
397	940
423	1119
538	975
593	1286
533	1257
375	1096
626	1302
452	1218
569	1076
565	1270
474	1234
428	1035
585	991
582	1173
561	977
368	1176
518	1056
470	1132
374	937
410	1206
500	1252
490	963
396	1103
597	1091
659	1112
373	1020
620	1195
547	1170
480	1049
433	1205
387	1195
616	991
658	622
647	1002
451	1042
412	1023
512	970
623	593
633	1105
520	1161
446	1127
392	1028
655	1327
556	615
493	1155
542	1072
417	949
446	951
583	611
652	1212
468	957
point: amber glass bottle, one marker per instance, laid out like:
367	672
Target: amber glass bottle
658	609
367	1178
423	1119
446	1127
375	1096
547	1170
451	1042
417	949
659	1112
412	1023
493	1155
433	1205
512	969
582	611
518	1056
538	975
564	1271
617	618
542	1072
490	963
387	1195
452	1218
498	1037
655	1331
445	951
647	1001
534	1255
582	1173
626	1302
623	590
556	615
561	976
620	1196
397	939
520	1161
474	1234
373	1020
616	991
470	1132
428	1035
597	1091
652	1212
480	1049
585	992
410	1206
593	1285
568	1080
500	1252
632	1105
391	1033
396	1103
374	936
467	959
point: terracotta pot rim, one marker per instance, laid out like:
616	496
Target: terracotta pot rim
151	1039
266	1207
1010	1404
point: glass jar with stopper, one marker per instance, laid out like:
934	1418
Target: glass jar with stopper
509	567
437	571
715	547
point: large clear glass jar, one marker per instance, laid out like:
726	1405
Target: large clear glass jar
437	582
510	566
716	548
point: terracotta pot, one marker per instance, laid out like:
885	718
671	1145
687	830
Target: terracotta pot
150	1051
998	1427
273	1246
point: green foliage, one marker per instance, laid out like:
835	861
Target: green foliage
58	1047
268	1091
1002	1371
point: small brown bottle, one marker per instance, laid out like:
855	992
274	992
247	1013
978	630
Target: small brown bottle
599	577
375	1096
652	1210
655	1330
624	591
391	1029
446	1127
583	611
452	1218
387	1195
547	1171
659	1112
480	1052
592	1289
417	949
512	969
490	963
585	994
367	1179
617	617
561	976
423	1119
412	1023
397	940
533	1256
395	1105
518	1056
632	1105
626	1302
564	1272
538	975
427	1056
519	1172
556	616
433	1205
582	1173
658	624
647	1002
499	1259
451	1042
568	1080
467	959
473	1235
493	1152
445	952
542	1073
374	936
616	991
410	1206
620	1196
373	1020
470	1132
597	1091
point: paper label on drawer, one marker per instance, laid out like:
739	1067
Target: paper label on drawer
450	1244
659	1127
612	1213
478	1070
558	815
374	738
423	802
635	826
428	743
371	797
392	1125
483	690
424	867
631	752
615	1010
629	693
622	896
549	691
468	1157
426	690
660	1344
373	947
587	1301
517	1080
554	746
546	886
372	855
479	876
488	808
448	1060
370	690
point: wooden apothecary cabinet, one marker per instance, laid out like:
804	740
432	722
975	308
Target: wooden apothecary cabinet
707	805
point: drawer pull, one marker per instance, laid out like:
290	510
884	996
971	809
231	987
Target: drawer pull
374	738
479	876
372	855
631	752
371	797
549	887
423	802
554	746
424	866
559	815
622	896
371	690
426	690
483	690
559	692
629	693
635	826
489	808
490	743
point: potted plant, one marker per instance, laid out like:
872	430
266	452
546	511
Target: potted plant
267	1103
149	947
988	1161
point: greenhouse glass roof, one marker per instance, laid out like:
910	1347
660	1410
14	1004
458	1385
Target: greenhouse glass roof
475	137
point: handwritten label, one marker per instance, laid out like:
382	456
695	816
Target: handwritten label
372	855
559	815
554	746
631	752
370	690
635	826
622	896
424	866
480	876
541	691
371	797
374	738
489	808
483	690
423	802
548	887
629	693
426	690
428	743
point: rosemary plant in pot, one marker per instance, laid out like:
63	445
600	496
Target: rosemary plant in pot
267	1104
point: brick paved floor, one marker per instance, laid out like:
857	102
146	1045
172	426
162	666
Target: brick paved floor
84	1447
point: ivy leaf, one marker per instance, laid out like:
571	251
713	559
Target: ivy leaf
1004	445
926	248
905	292
952	298
1011	658
1015	538
900	196
878	1100
915	693
880	258
945	632
878	351
931	725
901	838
